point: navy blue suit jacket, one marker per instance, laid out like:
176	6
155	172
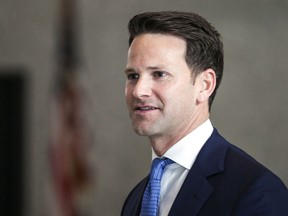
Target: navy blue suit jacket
223	181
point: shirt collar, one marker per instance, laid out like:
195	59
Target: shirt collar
185	151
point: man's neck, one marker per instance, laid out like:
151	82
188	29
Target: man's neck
161	144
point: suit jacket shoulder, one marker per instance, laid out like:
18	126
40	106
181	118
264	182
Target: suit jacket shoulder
225	180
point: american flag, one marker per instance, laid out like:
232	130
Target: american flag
69	147
68	152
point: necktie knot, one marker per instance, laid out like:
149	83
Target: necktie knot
158	166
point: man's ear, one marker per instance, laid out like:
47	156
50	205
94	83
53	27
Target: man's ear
206	82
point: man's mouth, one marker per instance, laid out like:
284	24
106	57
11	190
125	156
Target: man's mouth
146	108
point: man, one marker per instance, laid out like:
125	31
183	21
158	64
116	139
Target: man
174	67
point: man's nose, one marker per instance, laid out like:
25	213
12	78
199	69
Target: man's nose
143	88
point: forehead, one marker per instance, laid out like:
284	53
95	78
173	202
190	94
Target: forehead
159	39
156	45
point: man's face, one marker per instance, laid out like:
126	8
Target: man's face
160	94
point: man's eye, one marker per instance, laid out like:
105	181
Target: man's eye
158	74
132	76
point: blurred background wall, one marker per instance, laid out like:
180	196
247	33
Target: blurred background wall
250	109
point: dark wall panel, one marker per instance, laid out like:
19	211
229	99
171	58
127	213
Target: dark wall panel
11	142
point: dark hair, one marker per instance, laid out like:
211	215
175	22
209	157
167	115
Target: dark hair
204	48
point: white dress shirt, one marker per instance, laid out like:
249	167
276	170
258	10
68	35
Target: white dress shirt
184	153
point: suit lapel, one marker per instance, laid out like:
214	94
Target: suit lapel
132	203
138	199
192	195
196	188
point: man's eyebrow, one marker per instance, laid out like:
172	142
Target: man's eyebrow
150	68
154	68
158	67
129	70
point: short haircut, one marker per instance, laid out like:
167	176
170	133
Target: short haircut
204	48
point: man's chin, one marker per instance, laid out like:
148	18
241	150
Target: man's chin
140	132
143	131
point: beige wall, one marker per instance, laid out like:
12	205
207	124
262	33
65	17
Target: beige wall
250	108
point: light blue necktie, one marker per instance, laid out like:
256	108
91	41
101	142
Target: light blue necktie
151	195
